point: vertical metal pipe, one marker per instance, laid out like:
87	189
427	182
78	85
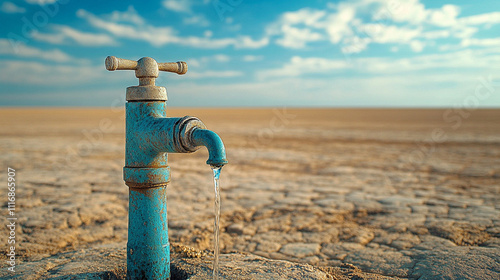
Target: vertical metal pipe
148	249
150	135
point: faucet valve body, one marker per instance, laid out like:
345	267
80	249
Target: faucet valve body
146	69
150	136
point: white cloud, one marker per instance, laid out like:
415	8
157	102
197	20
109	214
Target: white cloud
494	42
435	34
214	74
405	22
355	44
299	66
246	42
241	42
488	18
365	34
206	61
402	11
297	38
129	16
380	33
465	59
65	33
230	26
288	91
251	58
21	50
186	7
424	89
41	2
448	47
156	36
417	46
337	25
208	33
198	20
36	73
461	63
402	22
306	16
221	58
464	32
159	36
180	6
446	16
11	8
55	39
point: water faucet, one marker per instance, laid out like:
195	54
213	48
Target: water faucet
150	136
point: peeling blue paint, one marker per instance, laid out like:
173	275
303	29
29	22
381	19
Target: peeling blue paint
150	136
148	249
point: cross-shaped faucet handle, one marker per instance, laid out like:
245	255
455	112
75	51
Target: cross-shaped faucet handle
145	67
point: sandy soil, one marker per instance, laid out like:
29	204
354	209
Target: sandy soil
406	193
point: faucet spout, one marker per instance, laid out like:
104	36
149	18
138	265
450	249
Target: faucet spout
215	147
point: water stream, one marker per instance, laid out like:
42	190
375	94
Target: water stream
216	171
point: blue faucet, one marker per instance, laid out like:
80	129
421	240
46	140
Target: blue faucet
150	136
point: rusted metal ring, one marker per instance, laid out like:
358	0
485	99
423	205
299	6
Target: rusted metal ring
146	93
183	130
146	177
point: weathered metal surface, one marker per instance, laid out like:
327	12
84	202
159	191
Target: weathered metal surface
148	249
215	147
146	69
185	128
150	136
144	175
146	93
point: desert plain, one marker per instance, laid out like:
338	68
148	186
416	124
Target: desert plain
398	193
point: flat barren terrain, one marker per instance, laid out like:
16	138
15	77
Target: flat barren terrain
396	192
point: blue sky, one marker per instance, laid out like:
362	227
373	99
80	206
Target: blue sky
358	53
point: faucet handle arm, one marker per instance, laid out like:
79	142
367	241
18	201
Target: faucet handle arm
145	67
114	63
179	67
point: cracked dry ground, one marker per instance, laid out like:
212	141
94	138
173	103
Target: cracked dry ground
370	188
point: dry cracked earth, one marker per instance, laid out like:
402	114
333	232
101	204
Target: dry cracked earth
398	193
